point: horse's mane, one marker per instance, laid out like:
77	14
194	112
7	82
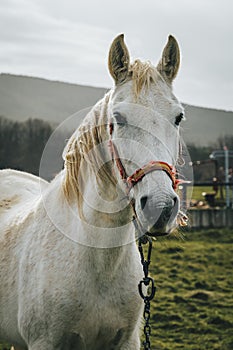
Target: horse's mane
83	145
142	75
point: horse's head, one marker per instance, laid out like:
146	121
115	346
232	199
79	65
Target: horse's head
144	117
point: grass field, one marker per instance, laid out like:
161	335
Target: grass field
193	305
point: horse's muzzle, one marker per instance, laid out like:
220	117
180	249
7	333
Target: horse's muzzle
159	219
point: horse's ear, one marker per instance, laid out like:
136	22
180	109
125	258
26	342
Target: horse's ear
118	59
170	61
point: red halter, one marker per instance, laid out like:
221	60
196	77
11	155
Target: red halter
138	175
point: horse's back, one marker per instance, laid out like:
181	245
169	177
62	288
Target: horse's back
18	191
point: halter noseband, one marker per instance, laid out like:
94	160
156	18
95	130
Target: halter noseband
138	175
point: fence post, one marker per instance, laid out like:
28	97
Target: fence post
226	154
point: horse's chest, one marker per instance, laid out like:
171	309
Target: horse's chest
104	327
102	333
109	315
110	304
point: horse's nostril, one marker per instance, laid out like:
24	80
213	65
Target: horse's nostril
176	204
143	201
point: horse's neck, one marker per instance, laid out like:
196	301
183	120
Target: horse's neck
107	215
107	252
102	225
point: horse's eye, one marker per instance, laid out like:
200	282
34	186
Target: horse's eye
179	118
120	119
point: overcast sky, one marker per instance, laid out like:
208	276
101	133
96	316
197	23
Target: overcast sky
68	40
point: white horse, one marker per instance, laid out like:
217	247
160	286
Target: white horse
69	263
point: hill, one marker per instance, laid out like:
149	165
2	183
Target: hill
26	97
205	125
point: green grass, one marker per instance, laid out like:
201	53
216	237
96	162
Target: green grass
193	305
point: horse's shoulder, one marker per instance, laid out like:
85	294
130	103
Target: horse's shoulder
18	188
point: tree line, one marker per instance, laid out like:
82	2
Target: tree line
22	143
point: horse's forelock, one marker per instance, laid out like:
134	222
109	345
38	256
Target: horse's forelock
143	74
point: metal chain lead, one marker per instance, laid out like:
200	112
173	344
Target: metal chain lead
148	282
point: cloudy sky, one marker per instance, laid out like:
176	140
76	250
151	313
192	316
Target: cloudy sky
68	40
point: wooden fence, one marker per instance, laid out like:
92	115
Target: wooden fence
211	218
